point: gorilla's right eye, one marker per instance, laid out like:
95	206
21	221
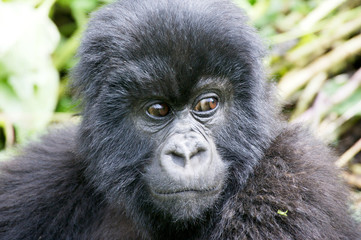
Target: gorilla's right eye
158	110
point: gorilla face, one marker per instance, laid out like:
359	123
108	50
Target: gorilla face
186	173
176	110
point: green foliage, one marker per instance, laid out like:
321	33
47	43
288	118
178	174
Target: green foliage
313	44
333	86
28	80
36	53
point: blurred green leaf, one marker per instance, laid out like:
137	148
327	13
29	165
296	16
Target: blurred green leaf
349	103
29	82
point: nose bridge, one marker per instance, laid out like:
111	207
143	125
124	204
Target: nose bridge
188	144
183	122
182	149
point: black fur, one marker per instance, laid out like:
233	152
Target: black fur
87	181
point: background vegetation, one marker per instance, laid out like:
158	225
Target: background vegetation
315	58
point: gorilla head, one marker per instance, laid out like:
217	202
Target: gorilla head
175	112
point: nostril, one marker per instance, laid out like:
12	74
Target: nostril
197	152
185	155
177	158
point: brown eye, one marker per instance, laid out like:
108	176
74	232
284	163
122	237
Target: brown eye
206	104
158	110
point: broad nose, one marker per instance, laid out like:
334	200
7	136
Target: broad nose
187	152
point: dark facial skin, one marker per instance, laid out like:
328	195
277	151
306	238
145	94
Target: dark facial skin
186	173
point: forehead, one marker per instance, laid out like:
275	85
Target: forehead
152	78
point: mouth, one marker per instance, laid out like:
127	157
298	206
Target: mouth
186	202
206	191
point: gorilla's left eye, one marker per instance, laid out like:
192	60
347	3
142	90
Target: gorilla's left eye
206	104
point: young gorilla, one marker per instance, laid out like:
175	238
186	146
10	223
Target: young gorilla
179	140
